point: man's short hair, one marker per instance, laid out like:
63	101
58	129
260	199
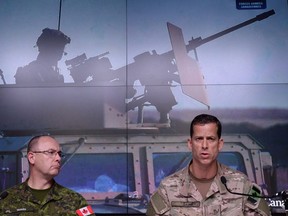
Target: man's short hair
34	141
205	119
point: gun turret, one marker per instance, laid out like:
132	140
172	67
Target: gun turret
139	70
155	71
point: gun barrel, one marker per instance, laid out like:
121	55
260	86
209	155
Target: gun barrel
102	55
192	44
265	15
196	43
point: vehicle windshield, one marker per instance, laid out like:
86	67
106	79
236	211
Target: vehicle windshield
168	163
111	172
8	170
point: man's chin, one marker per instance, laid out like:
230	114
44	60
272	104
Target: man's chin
55	172
206	161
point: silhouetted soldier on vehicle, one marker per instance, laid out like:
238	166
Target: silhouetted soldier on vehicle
44	69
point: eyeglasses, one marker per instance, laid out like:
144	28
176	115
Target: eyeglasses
51	153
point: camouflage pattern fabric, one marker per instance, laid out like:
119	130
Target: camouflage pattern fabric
178	195
59	201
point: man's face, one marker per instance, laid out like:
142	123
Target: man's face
52	54
205	143
44	157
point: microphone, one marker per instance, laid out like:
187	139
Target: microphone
255	190
3	195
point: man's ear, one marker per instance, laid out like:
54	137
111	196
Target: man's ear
31	157
221	143
189	143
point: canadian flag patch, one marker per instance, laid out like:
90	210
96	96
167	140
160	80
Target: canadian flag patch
85	211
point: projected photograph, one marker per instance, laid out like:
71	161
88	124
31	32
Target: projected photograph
126	77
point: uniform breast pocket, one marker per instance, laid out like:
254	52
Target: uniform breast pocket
212	210
187	211
232	206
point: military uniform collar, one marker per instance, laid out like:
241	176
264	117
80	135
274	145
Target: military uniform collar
188	187
220	173
27	195
52	195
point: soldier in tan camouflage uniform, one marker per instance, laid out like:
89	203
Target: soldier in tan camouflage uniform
40	194
197	189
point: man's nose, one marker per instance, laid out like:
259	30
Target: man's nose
204	144
58	157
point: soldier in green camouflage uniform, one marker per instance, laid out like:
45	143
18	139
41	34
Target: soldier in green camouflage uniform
40	194
59	201
197	189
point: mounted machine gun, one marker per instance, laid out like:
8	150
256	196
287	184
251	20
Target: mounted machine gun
156	72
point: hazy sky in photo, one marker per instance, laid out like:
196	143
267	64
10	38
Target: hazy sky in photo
248	66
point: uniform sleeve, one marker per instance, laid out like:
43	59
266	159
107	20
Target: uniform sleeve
255	206
262	209
158	204
82	201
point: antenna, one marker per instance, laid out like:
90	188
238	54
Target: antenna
59	17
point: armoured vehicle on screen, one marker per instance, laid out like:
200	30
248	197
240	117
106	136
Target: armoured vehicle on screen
114	164
117	174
